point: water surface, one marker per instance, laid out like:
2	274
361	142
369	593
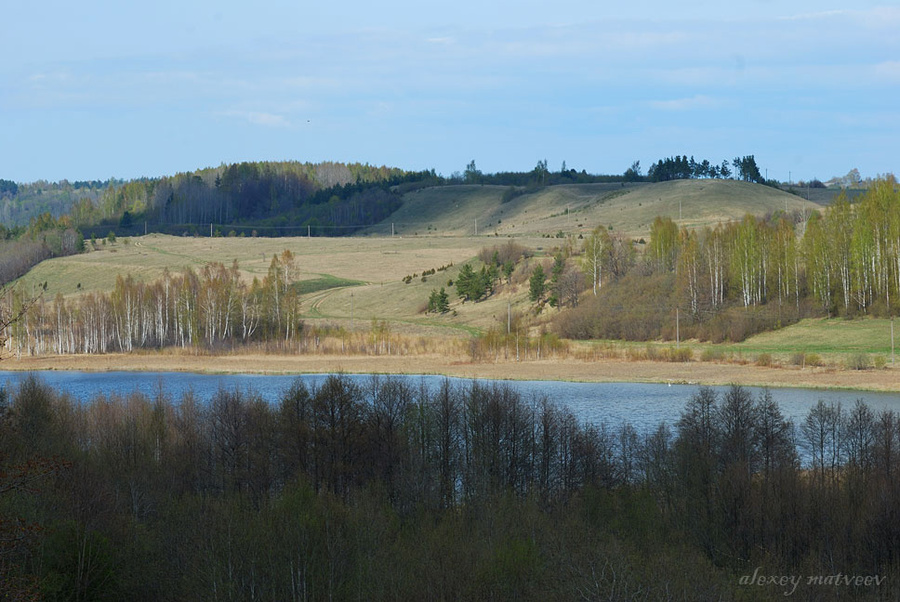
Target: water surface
643	405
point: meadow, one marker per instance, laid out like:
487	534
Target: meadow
359	283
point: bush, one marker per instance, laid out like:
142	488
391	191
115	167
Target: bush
880	362
764	359
858	361
633	354
678	354
712	354
813	359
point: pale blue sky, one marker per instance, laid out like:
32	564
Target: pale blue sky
103	89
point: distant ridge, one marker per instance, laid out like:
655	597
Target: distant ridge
579	208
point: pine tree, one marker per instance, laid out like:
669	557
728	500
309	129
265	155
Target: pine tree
536	284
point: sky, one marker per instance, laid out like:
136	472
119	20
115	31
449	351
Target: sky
105	88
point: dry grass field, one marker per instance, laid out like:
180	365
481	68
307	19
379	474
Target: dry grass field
578	209
606	370
354	281
358	279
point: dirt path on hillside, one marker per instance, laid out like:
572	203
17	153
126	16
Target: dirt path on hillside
569	370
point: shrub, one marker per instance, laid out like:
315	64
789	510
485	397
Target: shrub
678	354
813	359
858	361
633	354
880	362
764	359
712	354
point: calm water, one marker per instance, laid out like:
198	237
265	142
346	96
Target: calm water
645	406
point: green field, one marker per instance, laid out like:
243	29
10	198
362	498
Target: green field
836	342
836	339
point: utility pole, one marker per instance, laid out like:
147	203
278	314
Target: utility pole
308	228
392	229
677	330
476	226
210	229
351	310
892	341
509	316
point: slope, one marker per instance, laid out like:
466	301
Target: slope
578	208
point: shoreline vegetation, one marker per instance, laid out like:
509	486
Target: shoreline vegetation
554	369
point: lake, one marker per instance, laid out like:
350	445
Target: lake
644	406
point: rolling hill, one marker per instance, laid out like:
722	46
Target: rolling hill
434	227
579	208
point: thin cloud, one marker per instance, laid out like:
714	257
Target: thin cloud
270	120
887	72
693	103
825	14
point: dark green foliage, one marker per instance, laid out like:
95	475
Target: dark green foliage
633	173
438	301
314	285
474	286
556	272
536	284
508	268
8	188
682	168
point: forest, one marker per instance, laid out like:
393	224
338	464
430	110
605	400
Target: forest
737	279
384	489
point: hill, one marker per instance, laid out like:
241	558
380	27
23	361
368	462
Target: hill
579	208
339	278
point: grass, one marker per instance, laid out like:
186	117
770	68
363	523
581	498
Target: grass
578	209
324	283
825	337
836	342
341	279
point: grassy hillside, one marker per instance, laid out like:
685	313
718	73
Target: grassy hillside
331	270
578	208
833	338
361	279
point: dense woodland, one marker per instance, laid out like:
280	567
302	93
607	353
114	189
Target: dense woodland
387	490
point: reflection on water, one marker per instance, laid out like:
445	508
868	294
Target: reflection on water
644	406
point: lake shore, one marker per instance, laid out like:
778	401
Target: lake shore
605	370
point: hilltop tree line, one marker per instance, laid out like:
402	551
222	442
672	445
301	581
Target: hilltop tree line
387	489
276	198
742	277
23	247
682	168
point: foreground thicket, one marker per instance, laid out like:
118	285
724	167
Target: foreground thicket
384	489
